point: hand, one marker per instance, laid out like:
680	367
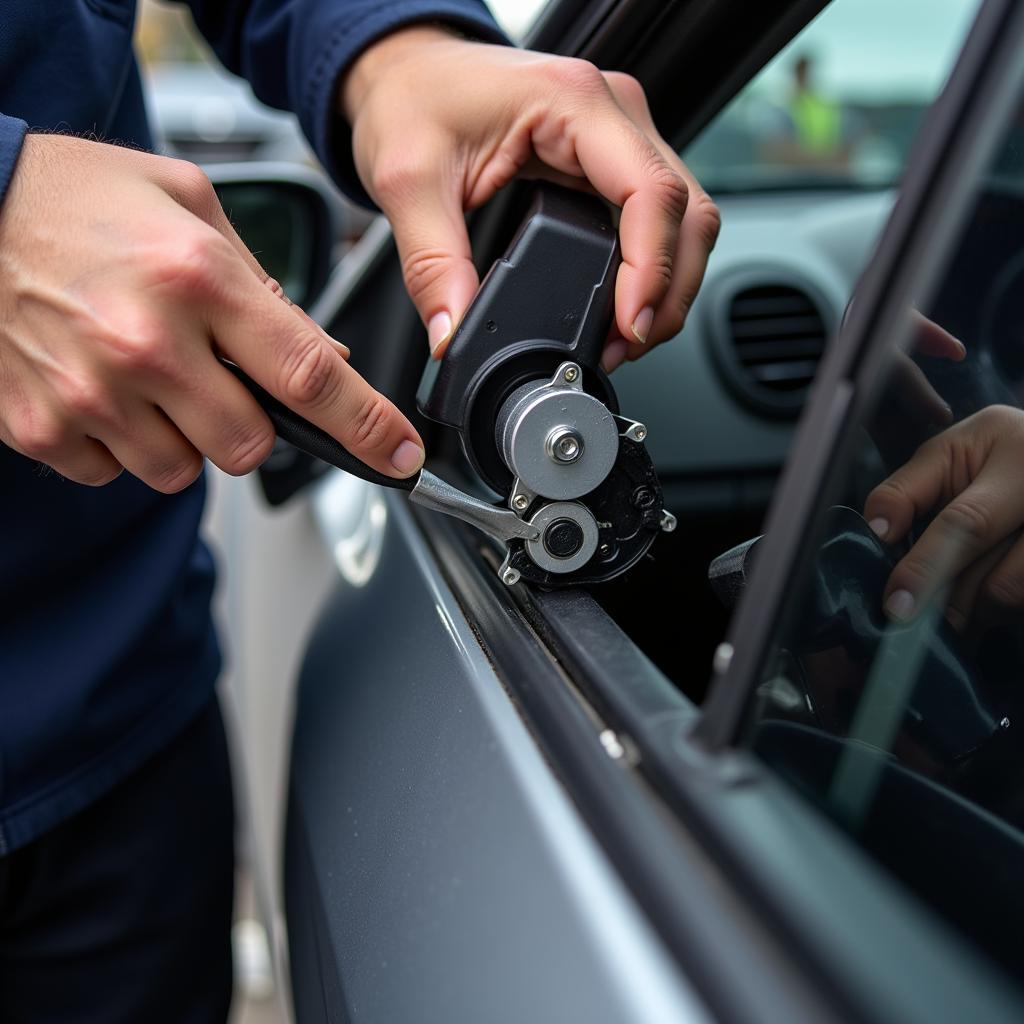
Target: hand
910	408
973	471
121	281
440	124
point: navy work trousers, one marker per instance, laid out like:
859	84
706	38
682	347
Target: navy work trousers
123	913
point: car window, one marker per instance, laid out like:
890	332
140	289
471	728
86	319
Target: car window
839	105
517	16
893	697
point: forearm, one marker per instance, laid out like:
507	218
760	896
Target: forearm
295	52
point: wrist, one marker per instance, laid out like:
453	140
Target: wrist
381	58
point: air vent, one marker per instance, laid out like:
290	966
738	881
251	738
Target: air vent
779	335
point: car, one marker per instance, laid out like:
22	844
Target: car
669	797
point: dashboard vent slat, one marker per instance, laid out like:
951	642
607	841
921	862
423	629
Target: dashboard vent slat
778	334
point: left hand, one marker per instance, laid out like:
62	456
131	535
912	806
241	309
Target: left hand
439	124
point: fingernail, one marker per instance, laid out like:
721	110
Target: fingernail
961	347
408	457
334	341
438	329
900	605
614	355
642	324
879	527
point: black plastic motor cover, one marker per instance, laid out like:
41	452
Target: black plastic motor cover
548	299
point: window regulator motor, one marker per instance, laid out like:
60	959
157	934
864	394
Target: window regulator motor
537	418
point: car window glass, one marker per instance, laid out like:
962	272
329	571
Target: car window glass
839	105
893	698
517	16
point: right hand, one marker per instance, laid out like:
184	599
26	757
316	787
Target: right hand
971	474
121	282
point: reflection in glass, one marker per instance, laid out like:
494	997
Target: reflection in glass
895	696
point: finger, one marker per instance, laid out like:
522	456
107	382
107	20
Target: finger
914	392
152	449
88	462
615	354
34	429
929	339
300	368
275	288
700	225
218	416
975	521
964	595
424	207
627	169
1001	595
911	491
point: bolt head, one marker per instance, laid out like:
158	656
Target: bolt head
571	373
510	577
520	502
640	433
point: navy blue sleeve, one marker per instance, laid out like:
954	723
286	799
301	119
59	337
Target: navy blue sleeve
12	135
293	52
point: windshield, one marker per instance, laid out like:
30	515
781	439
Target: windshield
839	106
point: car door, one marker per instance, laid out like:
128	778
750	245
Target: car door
499	805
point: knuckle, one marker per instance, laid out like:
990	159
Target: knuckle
248	452
175	474
371	424
888	495
192	187
423	269
675	318
708	221
39	436
967	520
142	346
671	189
576	75
192	262
100	477
308	375
1004	589
85	397
396	176
628	90
916	572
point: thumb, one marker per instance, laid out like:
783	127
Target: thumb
437	265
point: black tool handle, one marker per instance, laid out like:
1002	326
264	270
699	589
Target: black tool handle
298	431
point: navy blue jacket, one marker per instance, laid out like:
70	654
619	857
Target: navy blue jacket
106	643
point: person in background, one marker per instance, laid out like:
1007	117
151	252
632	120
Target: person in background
121	283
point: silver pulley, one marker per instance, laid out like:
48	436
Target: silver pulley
558	441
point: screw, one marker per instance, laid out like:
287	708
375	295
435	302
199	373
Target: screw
520	502
491	326
643	497
571	373
510	577
564	445
640	433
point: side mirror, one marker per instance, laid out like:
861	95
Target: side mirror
289	216
292	219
